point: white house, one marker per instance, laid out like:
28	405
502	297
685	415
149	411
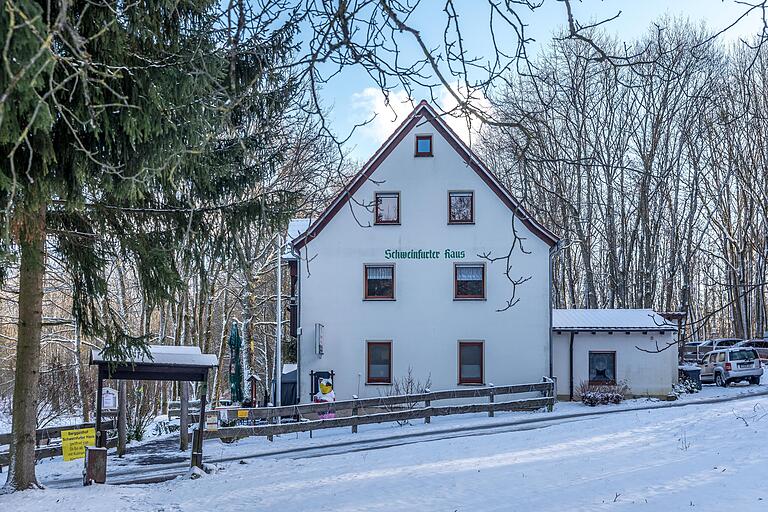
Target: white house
607	346
401	272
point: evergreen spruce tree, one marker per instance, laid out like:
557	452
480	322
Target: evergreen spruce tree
143	131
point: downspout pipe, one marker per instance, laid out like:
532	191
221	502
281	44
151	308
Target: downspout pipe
299	330
553	251
570	365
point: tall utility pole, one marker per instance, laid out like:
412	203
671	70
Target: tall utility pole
278	325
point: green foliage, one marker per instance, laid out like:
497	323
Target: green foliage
154	137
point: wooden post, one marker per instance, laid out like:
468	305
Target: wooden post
100	443
184	417
269	421
550	394
427	404
197	437
122	423
355	412
490	403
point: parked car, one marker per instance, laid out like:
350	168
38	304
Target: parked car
760	346
695	350
729	365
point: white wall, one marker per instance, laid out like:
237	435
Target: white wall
645	373
424	322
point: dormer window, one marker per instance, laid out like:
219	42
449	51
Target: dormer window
423	145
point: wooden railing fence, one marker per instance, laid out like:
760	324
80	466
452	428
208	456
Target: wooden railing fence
352	413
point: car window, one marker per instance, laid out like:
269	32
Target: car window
743	355
721	357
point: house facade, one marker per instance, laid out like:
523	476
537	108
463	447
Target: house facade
410	270
598	347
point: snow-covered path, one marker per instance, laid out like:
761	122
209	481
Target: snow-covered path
709	456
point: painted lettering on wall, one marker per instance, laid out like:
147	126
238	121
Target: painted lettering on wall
423	254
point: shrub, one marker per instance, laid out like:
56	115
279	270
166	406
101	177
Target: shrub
593	395
685	386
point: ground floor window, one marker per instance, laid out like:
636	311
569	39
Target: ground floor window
379	362
602	368
470	362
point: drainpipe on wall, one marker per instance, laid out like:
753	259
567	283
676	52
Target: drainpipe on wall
299	330
553	251
570	366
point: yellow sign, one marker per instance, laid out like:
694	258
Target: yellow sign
242	413
73	442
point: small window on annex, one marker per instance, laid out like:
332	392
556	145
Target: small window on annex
602	368
469	281
387	207
461	207
423	145
470	362
380	282
379	362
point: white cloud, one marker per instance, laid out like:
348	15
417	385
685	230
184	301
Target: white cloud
371	103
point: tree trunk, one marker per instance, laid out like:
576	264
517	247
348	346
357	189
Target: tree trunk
21	471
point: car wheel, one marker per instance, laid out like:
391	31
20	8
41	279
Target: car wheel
720	381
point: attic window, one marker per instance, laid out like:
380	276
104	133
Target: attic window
423	145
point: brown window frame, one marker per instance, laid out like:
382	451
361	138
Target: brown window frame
472	211
368	378
365	281
376	220
474	382
418	153
602	383
456	282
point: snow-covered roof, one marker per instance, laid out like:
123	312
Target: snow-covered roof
166	355
289	367
296	227
609	320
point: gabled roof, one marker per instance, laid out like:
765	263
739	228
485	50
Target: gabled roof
609	320
424	112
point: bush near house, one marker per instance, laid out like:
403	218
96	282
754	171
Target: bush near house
593	395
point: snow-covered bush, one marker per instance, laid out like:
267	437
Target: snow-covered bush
593	395
685	386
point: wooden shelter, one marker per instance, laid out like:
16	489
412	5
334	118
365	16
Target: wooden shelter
162	363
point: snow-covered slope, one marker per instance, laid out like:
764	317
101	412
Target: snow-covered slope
707	456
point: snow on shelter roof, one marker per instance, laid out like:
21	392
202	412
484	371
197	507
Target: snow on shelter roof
166	355
609	320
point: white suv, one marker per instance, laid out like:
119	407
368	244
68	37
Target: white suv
731	365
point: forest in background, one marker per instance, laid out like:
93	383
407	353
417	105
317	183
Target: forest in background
655	175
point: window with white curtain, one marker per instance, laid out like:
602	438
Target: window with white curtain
379	282
469	281
387	208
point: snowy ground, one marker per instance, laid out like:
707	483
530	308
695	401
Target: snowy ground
707	456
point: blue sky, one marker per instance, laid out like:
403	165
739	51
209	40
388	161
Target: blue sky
354	98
